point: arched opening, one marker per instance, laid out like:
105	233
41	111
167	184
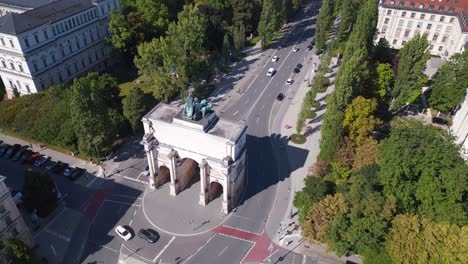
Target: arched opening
163	177
189	173
215	191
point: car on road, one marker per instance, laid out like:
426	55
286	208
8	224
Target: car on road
310	47
274	59
296	70
12	151
33	157
280	97
149	235
123	232
299	66
60	167
18	154
76	173
41	161
289	81
295	49
271	72
24	154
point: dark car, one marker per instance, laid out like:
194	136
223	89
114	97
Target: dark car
280	97
12	151
149	235
296	70
3	149
439	121
19	154
299	66
33	157
60	167
76	173
25	154
310	47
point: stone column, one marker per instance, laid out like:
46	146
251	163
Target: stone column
203	188
226	189
149	156
173	172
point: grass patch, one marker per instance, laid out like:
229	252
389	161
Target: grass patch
298	138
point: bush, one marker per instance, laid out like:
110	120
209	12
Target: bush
320	168
298	138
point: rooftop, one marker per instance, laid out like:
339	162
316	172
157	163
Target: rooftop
14	24
450	7
26	4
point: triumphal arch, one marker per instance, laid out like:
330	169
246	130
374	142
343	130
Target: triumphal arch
182	143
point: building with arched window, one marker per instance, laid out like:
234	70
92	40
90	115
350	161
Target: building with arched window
49	38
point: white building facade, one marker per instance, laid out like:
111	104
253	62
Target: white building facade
444	21
53	44
459	128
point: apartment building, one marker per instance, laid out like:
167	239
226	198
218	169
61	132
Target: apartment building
11	221
20	6
53	43
444	21
459	128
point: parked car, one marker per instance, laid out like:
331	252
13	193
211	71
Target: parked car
60	167
51	165
295	49
289	81
123	232
149	235
76	173
310	47
41	161
12	151
299	66
296	70
20	154
26	154
68	171
271	72
280	97
33	157
274	59
439	121
3	149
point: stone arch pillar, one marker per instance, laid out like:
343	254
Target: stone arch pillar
173	186
226	190
203	183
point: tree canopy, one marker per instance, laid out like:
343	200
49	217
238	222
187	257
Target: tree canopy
19	252
450	84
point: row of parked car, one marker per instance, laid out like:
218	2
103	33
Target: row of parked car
24	154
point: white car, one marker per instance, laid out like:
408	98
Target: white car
270	72
289	81
274	59
123	232
296	49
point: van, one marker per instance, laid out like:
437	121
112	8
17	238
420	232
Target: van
270	72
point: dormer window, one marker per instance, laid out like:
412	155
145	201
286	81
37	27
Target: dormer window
421	6
402	3
451	9
411	4
441	8
431	7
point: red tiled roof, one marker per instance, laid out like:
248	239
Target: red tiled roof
457	7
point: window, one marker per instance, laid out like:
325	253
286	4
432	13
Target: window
401	22
78	44
432	17
452	19
419	25
403	14
422	16
451	9
441	48
421	6
70	23
70	49
441	8
2	209
44	61
83	64
68	72
92	36
7	219
407	32
389	12
12	44
76	66
439	28
435	37
20	68
386	20
35	67
53	31
3	41
66	26
398	32
410	24
4	64
403	43
46	35
26	42
59	74
42	86
62	50
12	66
412	4
53	57
413	15
448	29
89	60
429	26
431	7
444	39
27	88
36	38
442	18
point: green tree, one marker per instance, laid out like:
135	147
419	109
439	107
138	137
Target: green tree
359	119
19	252
348	13
324	24
226	49
423	170
414	239
93	101
39	192
238	36
314	190
450	84
270	21
128	30
412	62
134	108
384	80
382	52
155	12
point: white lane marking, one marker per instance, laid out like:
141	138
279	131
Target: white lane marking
50	223
235	113
222	251
58	235
135	180
304	258
131	221
134	213
92	181
164	249
198	250
53	250
111	201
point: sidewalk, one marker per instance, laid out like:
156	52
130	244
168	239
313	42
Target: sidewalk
283	225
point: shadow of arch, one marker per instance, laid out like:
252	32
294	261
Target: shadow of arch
164	176
215	191
189	173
